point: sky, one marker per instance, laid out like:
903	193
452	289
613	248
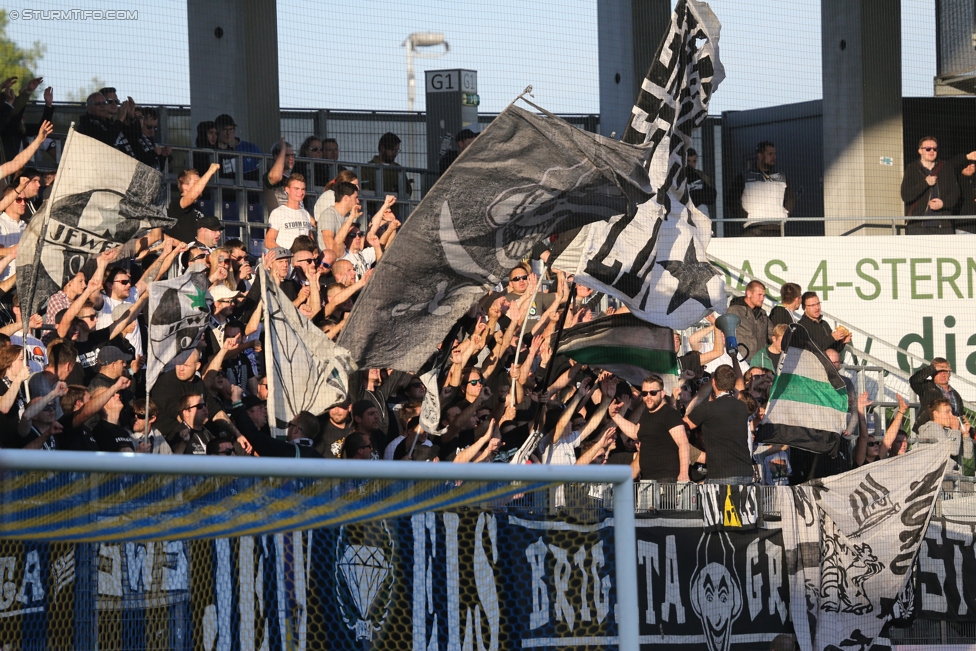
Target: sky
353	59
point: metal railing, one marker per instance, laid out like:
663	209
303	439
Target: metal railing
239	203
896	224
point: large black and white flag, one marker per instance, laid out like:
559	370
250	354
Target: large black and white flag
851	541
525	177
654	260
100	199
178	314
310	373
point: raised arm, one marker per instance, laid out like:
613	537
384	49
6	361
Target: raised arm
892	432
861	450
277	171
95	405
21	159
197	188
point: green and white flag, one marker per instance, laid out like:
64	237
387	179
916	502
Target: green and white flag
629	348
808	400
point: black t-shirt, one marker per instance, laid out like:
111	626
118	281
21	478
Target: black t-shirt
74	438
88	353
167	392
724	424
185	229
327	442
111	437
659	453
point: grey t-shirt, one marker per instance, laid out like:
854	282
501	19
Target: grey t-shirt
330	220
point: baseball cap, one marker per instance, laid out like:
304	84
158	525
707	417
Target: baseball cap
211	223
465	134
224	120
280	253
223	293
251	401
111	354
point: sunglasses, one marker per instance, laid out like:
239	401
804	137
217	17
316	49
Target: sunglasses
122	282
88	317
325	265
652	392
930	149
199	405
304	261
476	382
198	257
20	200
315	149
138	415
873	444
518	279
355	235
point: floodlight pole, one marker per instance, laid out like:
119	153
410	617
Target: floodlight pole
412	42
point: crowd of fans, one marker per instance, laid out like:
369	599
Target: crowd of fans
77	379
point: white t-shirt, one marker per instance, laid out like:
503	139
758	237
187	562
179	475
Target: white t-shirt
105	318
290	224
362	261
10	232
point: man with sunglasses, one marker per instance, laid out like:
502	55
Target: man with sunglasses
665	453
520	281
929	189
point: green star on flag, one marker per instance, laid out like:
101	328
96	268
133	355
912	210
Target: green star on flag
198	298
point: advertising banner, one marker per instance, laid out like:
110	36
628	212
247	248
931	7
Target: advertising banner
912	292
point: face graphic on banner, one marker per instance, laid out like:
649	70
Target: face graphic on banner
716	595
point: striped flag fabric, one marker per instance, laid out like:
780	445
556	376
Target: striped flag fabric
653	259
808	400
629	348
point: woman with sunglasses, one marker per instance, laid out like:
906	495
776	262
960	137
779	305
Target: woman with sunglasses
315	174
219	264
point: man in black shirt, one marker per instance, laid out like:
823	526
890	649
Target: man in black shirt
183	208
664	449
79	406
172	385
724	422
818	329
336	424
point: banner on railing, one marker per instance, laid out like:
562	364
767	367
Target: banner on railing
912	292
947	570
469	580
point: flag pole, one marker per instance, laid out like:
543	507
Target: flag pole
268	356
25	315
40	234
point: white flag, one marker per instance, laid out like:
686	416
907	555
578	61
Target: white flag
178	314
307	371
850	543
654	261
